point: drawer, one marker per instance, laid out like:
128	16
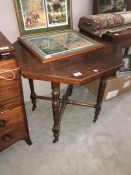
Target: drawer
11	119
10	96
11	137
8	64
9	77
10	92
9	72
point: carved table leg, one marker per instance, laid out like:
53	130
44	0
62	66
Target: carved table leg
65	99
56	110
33	94
100	97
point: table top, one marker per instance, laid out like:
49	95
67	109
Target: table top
122	38
77	70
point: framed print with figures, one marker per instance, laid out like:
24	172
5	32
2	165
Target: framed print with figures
46	30
36	16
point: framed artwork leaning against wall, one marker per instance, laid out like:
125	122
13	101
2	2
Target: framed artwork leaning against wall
110	6
46	30
42	15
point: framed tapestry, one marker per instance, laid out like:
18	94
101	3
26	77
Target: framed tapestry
110	6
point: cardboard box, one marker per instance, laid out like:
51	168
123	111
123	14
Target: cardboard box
114	87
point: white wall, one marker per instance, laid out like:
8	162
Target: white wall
9	26
80	8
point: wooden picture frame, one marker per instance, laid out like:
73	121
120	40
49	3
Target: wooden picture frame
110	6
59	45
43	15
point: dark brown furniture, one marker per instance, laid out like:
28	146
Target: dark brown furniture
122	38
13	122
101	63
6	48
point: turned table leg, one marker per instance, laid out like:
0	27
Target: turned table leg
99	97
56	110
33	94
65	99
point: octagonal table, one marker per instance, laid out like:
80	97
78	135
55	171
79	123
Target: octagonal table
75	70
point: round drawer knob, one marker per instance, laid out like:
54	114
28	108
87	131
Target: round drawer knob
2	123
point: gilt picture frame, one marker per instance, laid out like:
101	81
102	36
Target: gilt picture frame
37	16
110	6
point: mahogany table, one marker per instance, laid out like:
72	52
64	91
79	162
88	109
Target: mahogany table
101	63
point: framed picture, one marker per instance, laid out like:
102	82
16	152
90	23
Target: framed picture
37	16
55	46
110	6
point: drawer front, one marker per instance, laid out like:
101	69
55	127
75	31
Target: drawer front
10	93
11	119
11	137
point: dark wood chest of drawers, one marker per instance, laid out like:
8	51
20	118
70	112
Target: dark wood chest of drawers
13	121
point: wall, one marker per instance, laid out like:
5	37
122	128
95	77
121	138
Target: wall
9	26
